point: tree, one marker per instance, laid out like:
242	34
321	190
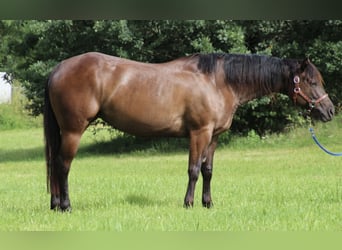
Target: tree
39	45
30	49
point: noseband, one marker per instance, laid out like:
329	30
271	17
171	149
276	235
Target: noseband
297	91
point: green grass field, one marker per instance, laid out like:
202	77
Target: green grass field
279	183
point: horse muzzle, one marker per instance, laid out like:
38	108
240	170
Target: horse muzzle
324	112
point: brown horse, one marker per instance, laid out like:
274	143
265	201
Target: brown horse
194	96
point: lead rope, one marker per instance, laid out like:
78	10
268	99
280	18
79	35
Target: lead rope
319	144
312	103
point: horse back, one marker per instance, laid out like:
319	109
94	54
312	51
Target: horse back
138	98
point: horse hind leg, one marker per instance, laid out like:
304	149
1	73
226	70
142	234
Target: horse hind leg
60	192
54	189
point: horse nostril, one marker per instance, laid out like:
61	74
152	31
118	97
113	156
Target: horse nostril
331	112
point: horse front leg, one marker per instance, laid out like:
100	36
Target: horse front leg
199	141
207	171
193	172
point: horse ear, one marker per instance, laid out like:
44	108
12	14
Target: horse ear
305	63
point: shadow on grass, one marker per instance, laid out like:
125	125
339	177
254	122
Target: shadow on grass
17	155
130	200
140	200
116	146
127	145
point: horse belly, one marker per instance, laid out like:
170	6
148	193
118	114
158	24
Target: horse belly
145	120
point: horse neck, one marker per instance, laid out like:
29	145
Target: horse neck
256	91
249	91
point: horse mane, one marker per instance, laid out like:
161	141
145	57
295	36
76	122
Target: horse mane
312	71
245	70
207	62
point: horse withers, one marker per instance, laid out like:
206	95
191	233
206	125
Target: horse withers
194	96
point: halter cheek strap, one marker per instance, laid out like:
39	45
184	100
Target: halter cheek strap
297	91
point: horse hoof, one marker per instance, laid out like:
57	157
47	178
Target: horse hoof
61	209
188	204
54	203
208	204
54	207
66	209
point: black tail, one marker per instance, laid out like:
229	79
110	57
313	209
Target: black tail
52	137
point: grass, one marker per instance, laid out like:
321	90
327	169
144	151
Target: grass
279	183
13	115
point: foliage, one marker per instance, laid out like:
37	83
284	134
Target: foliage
265	115
30	49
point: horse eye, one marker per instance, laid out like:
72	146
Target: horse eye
314	84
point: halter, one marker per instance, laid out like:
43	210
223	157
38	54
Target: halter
312	103
297	91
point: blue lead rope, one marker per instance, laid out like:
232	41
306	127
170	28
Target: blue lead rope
321	146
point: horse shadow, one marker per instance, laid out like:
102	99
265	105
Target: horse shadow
127	145
140	200
18	155
116	146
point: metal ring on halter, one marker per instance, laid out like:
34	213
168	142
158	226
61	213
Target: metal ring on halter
296	90
296	79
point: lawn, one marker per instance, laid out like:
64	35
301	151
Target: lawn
278	183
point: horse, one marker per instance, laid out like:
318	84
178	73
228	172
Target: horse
193	96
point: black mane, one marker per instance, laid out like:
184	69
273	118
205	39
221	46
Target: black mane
207	62
245	69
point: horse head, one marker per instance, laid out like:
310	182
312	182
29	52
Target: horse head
308	90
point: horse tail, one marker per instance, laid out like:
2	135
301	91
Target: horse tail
52	137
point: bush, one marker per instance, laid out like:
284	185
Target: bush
268	114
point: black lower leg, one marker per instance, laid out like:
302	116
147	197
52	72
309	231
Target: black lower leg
54	202
206	193
64	194
193	177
